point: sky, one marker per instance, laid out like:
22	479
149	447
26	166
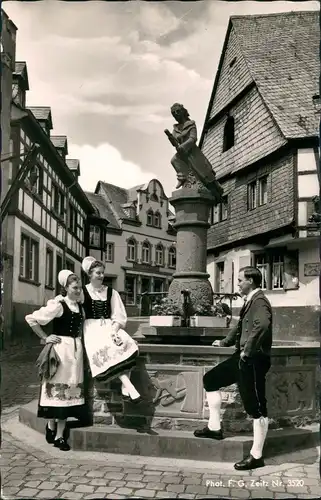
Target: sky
110	72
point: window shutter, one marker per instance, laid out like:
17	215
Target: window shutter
228	276
291	271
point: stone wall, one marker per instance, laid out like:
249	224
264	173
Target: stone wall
170	381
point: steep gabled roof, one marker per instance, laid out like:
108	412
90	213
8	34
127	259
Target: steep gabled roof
42	113
102	209
282	54
117	196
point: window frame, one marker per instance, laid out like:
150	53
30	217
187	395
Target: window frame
49	278
95	226
31	268
270	265
252	196
131	244
150	213
146	246
110	245
172	254
134	279
259	190
159	250
229	134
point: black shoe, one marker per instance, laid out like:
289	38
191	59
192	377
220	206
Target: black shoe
62	444
249	463
207	433
125	398
50	435
136	401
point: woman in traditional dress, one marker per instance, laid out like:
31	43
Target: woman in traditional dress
63	395
111	352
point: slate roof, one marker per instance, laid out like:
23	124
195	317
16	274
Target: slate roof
282	53
73	164
102	208
42	113
118	196
60	142
21	72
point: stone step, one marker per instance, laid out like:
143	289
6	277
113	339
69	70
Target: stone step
174	444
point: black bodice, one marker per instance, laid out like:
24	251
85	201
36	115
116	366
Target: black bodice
97	309
69	324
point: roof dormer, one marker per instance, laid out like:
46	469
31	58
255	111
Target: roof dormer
43	116
61	144
74	167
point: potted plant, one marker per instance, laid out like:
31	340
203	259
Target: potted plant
207	315
165	313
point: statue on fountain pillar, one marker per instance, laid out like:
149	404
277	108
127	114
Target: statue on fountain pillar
192	167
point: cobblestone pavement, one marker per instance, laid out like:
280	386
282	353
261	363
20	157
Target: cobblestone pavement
19	380
33	469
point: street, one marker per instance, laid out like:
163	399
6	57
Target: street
33	469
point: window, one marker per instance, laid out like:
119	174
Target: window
70	265
271	265
94	236
29	258
263	182
159	255
157	219
220	277
277	272
49	267
228	137
263	265
172	257
131	250
220	211
150	218
110	252
130	289
154	197
72	219
146	253
251	195
58	201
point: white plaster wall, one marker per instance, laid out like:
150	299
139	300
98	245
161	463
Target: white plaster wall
306	160
26	292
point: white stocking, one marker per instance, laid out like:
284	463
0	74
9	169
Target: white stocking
260	428
129	387
214	400
61	424
52	424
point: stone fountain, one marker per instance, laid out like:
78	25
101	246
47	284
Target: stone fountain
169	373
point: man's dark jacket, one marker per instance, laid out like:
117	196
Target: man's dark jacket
253	333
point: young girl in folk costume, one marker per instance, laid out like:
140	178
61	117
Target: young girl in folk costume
111	352
62	396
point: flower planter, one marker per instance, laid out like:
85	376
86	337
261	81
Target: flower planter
165	321
208	321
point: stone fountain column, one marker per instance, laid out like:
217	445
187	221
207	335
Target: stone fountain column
192	207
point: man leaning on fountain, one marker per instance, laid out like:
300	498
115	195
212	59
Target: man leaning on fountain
247	366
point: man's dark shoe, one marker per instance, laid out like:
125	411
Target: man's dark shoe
249	463
62	444
207	433
50	435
